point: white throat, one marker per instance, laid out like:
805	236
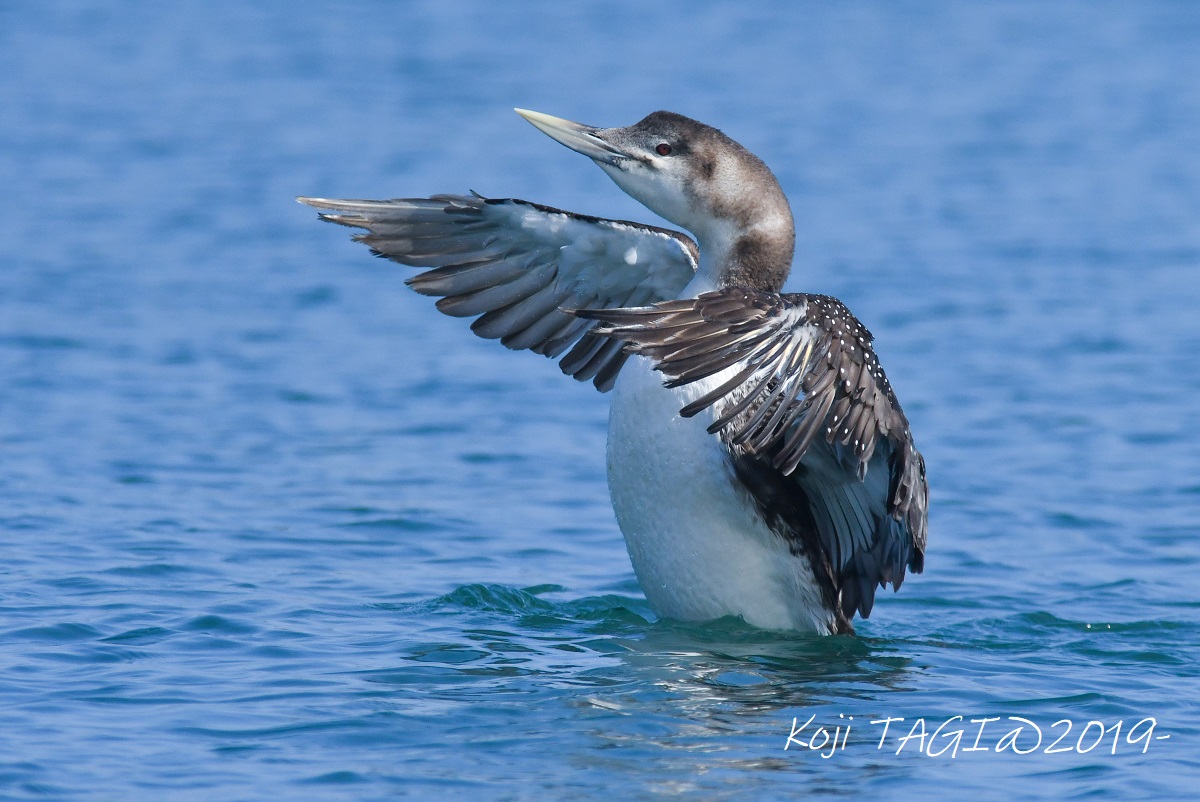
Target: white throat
716	251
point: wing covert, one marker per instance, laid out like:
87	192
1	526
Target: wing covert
517	266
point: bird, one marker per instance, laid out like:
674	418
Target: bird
759	464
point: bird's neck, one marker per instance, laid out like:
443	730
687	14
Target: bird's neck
757	255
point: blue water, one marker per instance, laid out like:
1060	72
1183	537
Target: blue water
272	527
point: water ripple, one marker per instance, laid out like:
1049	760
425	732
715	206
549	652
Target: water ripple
273	527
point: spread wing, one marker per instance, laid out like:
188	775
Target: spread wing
516	266
813	426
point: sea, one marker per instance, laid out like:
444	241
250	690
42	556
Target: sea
273	528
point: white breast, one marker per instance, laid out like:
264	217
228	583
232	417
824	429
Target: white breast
699	546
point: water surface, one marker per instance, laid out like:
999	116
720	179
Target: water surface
273	527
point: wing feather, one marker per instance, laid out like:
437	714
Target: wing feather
517	317
465	277
497	296
517	266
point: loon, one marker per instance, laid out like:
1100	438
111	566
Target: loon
758	461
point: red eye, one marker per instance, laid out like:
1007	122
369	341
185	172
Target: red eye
663	150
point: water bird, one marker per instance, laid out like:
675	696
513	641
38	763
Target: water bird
758	461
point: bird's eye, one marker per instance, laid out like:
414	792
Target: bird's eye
663	150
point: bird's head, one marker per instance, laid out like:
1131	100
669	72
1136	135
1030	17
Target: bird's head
682	170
